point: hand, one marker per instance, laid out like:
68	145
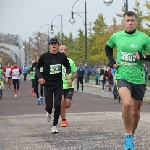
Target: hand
70	82
41	81
34	68
67	76
137	55
115	65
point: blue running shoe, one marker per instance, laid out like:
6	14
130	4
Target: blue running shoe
38	101
128	144
41	99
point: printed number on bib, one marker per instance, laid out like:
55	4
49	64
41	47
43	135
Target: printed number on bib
128	59
54	69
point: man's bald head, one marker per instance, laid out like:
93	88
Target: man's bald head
63	49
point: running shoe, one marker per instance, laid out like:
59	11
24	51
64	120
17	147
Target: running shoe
38	101
54	129
41	99
128	144
64	123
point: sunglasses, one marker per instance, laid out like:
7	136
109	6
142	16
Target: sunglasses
53	43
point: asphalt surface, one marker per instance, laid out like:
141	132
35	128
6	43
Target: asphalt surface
94	123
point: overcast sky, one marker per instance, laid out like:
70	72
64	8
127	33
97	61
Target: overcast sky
23	17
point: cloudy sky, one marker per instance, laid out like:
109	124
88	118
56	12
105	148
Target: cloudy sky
24	17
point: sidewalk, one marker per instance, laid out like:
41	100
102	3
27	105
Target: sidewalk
91	83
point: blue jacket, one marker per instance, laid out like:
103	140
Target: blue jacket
25	69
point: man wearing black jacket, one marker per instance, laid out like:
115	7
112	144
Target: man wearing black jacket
51	78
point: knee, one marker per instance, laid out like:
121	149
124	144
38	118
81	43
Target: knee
127	105
68	105
135	113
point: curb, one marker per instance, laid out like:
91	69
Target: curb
145	100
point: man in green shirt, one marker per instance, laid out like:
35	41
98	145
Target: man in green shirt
68	86
130	73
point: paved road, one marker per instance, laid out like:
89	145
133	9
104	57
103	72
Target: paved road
94	123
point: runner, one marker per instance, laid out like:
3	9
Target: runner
51	77
68	86
7	74
25	72
1	87
130	73
15	73
36	83
32	78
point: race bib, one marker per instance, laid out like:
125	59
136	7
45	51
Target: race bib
64	71
54	69
128	59
41	69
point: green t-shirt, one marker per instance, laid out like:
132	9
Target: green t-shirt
1	71
73	69
130	68
32	73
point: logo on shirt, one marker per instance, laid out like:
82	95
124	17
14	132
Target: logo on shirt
133	45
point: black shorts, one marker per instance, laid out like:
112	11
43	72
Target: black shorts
9	77
137	90
68	93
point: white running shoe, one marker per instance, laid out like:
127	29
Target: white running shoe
15	95
48	117
54	129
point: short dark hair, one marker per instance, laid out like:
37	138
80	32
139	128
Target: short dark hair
130	13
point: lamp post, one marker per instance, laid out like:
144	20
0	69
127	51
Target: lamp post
48	36
109	2
72	21
24	47
52	31
30	41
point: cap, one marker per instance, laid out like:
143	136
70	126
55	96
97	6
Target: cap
53	40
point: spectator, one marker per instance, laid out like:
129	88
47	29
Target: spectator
80	76
103	76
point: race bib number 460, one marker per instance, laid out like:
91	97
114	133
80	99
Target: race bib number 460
128	59
54	69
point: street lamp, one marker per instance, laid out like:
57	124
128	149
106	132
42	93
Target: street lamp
48	36
52	31
109	2
72	21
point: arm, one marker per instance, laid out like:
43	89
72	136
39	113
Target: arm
74	70
37	67
20	71
67	65
33	66
140	56
109	54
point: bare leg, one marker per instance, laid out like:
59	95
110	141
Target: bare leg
136	104
125	95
